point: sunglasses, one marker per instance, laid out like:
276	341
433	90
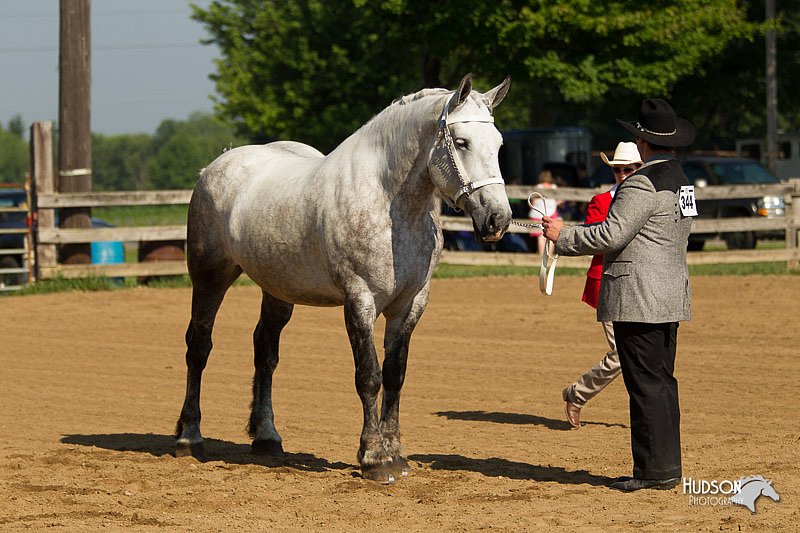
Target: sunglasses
626	170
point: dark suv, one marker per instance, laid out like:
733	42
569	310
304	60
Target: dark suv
703	171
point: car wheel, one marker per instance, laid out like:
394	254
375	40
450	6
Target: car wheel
742	240
10	280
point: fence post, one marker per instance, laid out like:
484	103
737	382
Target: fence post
792	221
42	183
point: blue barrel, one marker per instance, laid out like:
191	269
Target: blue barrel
108	253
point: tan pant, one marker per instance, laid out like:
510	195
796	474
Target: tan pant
600	375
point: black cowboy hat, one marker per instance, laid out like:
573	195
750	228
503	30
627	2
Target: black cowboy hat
659	125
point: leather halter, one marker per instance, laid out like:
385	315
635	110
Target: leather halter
445	138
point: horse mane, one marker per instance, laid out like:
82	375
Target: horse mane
394	130
749	479
379	129
404	100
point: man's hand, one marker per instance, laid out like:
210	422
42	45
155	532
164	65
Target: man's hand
552	227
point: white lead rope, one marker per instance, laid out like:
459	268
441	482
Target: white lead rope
548	270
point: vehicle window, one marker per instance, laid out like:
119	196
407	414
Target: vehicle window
752	151
694	172
12	200
739	173
785	150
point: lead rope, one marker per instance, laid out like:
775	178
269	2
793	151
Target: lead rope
548	269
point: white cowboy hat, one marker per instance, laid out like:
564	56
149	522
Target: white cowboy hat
625	154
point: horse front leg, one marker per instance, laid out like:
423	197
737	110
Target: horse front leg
274	316
400	325
359	315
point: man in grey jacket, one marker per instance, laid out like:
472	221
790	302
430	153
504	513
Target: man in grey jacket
645	289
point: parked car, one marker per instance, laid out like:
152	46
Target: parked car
9	220
705	170
101	252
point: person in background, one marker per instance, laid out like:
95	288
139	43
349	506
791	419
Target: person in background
548	207
645	289
626	161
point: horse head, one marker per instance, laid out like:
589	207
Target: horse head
769	491
463	161
752	487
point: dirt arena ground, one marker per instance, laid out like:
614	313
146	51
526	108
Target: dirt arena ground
91	385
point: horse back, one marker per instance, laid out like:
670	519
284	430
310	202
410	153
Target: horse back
252	207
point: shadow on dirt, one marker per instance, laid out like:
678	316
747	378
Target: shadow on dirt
517	418
498	467
216	450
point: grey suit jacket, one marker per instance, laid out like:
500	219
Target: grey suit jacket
643	241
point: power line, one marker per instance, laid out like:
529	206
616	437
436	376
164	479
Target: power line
104	48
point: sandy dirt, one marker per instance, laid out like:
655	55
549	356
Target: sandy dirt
91	385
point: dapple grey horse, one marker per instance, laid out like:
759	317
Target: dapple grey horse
357	228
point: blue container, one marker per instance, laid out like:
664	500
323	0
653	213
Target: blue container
108	253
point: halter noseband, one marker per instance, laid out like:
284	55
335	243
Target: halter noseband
446	138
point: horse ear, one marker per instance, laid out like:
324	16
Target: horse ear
462	93
493	97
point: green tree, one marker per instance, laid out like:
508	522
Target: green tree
16	126
314	70
13	157
120	162
181	148
733	84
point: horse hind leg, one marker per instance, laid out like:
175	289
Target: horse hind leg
274	316
208	290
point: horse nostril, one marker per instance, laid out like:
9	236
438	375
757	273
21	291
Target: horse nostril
493	222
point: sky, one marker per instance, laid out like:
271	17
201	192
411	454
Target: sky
147	63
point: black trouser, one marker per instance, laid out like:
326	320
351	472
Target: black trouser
647	356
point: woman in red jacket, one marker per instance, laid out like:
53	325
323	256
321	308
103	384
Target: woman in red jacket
625	162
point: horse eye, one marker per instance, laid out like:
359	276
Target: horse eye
462	143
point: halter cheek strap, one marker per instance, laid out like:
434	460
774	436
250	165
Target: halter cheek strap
446	138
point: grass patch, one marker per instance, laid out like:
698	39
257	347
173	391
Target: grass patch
446	271
143	215
742	269
91	284
443	271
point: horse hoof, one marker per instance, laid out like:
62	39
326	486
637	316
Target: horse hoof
399	466
190	449
383	473
270	448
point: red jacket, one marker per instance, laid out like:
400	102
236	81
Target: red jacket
597	211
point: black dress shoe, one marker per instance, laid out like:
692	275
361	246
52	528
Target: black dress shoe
628	484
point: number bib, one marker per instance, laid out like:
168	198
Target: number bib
687	201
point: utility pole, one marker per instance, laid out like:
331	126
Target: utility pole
74	119
772	90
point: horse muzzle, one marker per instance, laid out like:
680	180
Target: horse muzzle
493	227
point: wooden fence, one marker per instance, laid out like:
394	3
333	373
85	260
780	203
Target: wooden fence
50	236
47	236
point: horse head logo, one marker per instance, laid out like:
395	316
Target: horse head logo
751	488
